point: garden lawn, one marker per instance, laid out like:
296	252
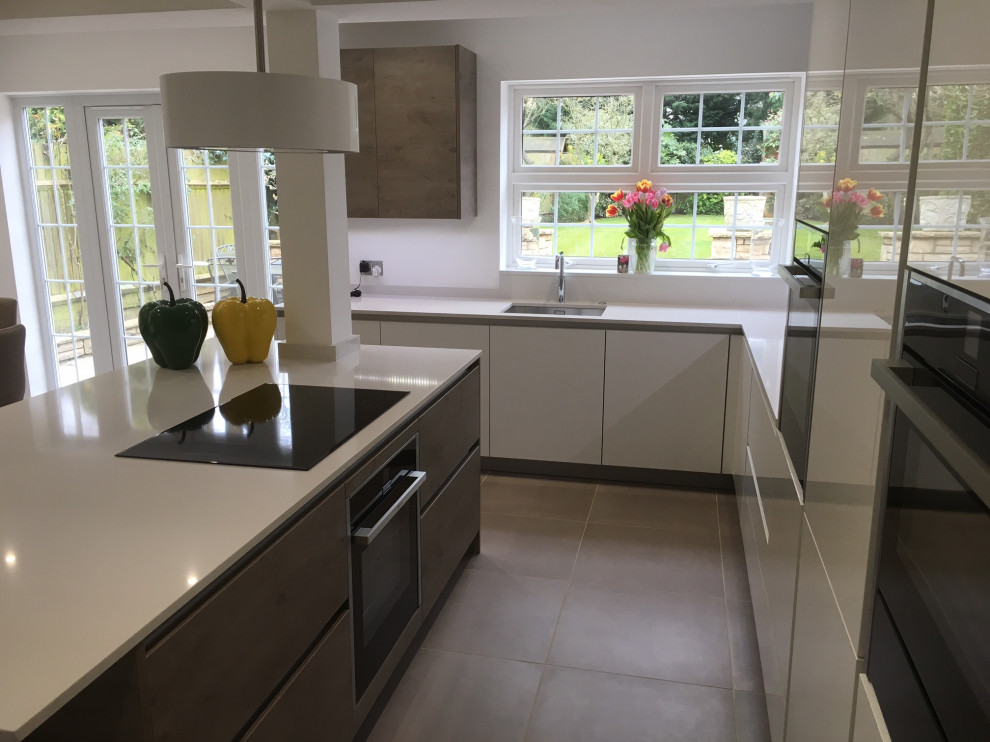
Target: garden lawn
610	239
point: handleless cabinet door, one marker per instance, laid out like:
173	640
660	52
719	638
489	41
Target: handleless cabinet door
665	400
317	702
772	553
369	331
210	674
361	168
546	393
823	667
450	523
446	335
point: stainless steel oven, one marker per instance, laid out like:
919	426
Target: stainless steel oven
804	309
929	654
385	568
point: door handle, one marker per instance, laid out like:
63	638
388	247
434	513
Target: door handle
366	534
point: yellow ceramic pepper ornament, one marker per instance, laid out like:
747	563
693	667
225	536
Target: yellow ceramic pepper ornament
245	327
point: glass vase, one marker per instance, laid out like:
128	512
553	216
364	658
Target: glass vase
642	255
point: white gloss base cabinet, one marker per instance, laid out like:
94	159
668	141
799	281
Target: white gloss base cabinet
547	393
869	724
770	517
369	331
665	400
441	335
823	668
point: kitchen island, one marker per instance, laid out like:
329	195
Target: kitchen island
101	552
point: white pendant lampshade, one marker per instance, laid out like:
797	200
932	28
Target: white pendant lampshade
259	110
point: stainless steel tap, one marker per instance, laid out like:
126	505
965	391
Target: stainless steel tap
962	266
559	264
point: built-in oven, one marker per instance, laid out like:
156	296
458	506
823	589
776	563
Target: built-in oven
929	653
385	568
804	308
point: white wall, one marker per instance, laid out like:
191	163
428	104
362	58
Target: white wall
465	253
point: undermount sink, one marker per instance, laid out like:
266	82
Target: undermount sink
559	310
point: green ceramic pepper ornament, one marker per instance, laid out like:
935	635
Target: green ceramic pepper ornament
174	330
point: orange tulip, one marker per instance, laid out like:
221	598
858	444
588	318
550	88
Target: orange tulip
612	210
847	184
877	211
874	195
618	195
827	202
644	185
667	200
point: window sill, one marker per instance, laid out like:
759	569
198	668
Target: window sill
586	271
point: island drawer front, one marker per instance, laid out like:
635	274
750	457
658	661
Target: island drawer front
212	673
447	431
448	526
317	703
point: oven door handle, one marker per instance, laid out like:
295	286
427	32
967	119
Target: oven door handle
965	463
365	535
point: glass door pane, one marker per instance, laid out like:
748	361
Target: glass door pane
273	240
209	226
58	243
130	227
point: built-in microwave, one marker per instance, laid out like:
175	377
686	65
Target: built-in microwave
385	565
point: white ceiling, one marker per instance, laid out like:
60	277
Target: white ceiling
352	11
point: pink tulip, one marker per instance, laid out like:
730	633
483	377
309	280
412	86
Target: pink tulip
663	246
629	201
859	199
654	203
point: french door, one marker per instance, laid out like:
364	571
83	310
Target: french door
136	237
116	214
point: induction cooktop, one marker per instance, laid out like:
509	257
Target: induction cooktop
288	426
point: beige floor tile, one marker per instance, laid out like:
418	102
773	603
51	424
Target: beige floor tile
568	499
583	706
499	615
537	547
450	696
668	636
656	507
651	559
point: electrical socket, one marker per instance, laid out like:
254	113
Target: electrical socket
371	268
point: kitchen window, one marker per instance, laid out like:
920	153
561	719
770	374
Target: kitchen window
723	146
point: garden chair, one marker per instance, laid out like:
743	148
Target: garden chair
223	265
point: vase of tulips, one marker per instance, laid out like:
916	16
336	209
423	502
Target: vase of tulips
846	208
645	211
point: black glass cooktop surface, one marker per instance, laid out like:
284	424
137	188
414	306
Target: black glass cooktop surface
291	426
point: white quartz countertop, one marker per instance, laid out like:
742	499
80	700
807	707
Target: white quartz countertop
99	550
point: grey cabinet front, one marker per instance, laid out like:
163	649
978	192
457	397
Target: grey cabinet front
209	676
448	526
316	703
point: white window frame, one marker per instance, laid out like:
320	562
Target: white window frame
779	178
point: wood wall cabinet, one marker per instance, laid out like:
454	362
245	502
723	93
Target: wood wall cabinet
665	400
417	118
